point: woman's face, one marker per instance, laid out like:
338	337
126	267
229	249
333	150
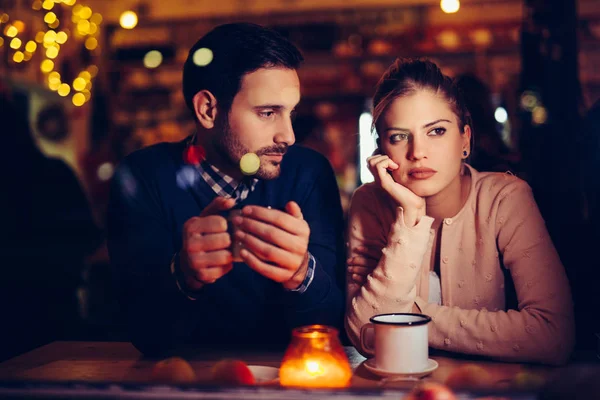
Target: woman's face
420	132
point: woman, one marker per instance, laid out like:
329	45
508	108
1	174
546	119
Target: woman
429	215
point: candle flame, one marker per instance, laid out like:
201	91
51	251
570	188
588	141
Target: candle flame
314	368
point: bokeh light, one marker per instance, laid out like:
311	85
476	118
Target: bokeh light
501	115
153	59
64	89
47	66
18	56
15	43
202	57
128	20
105	171
79	84
78	99
450	6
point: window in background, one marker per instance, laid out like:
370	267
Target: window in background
366	146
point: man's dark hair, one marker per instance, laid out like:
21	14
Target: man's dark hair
237	49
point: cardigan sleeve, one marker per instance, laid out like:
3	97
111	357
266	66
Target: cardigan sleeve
542	329
391	285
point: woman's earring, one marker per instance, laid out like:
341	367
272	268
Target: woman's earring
465	154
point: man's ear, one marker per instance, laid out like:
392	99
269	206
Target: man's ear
205	108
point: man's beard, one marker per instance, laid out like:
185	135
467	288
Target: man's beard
232	150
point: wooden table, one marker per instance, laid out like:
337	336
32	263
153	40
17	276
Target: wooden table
120	362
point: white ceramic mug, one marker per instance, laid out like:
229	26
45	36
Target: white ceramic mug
401	341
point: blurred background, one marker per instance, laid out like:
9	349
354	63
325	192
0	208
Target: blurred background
98	79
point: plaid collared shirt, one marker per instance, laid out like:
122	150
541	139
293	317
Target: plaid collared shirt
225	186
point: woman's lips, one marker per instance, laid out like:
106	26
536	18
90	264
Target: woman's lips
421	173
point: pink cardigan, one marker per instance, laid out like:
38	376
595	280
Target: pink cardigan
499	227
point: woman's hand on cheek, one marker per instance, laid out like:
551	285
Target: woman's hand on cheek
413	205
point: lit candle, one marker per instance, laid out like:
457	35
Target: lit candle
315	358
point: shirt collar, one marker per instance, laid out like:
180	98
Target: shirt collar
223	184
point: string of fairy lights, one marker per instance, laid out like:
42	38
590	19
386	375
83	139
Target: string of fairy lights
50	41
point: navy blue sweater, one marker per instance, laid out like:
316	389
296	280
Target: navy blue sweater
154	193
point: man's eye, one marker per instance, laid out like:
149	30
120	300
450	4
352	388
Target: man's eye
266	114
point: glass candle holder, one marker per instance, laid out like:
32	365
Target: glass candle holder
315	358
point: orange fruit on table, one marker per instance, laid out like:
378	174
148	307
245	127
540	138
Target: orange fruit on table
431	391
173	370
232	372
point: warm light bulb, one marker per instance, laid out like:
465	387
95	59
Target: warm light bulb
128	20
11	31
15	43
61	37
85	13
48	4
78	99
50	37
64	90
96	18
54	85
54	75
93	28
18	56
52	52
83	26
47	66
79	84
50	18
450	6
31	46
20	25
91	43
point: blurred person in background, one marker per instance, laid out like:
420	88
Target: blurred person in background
47	231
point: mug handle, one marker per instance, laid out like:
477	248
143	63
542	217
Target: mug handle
363	342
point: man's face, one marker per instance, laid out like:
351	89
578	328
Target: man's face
260	119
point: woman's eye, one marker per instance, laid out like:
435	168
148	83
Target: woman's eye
398	137
437	131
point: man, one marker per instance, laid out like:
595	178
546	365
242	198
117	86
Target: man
168	233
